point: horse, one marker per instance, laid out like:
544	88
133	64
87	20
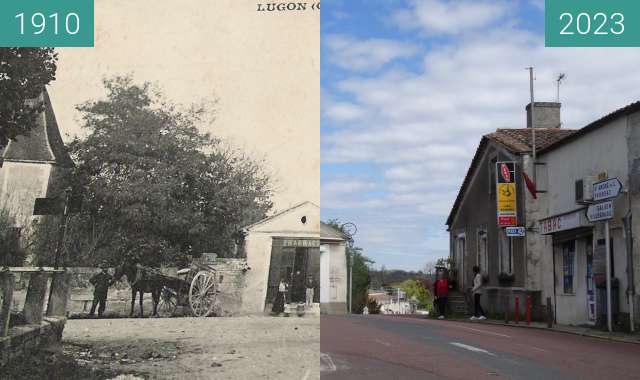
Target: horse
142	280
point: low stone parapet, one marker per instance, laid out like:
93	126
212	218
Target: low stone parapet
26	339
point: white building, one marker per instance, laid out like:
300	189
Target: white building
570	250
333	271
283	246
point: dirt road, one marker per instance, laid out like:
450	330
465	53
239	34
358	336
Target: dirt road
194	348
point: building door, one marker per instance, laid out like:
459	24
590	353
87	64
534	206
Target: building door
459	260
591	294
293	260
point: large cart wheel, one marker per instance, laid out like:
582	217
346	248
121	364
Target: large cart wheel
202	294
168	302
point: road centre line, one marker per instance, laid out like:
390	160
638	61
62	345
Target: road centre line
484	332
471	348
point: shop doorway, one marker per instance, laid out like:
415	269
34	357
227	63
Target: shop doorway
293	260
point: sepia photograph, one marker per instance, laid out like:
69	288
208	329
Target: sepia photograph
160	197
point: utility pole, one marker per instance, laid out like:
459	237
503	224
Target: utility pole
608	272
533	126
62	231
350	282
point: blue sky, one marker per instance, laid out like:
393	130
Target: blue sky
408	89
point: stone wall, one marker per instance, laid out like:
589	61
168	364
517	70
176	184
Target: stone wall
24	340
229	298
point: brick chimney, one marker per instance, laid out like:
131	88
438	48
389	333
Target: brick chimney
546	114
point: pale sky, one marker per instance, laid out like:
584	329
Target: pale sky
263	67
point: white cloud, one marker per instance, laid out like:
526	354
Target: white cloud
451	17
371	54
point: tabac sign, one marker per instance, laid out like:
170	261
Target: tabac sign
506	194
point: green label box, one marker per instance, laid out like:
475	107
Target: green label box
46	23
589	23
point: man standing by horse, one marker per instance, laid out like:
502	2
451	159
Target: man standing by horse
101	283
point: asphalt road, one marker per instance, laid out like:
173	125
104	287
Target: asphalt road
383	347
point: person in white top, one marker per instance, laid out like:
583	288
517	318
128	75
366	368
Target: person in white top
478	313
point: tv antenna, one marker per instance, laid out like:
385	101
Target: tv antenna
561	77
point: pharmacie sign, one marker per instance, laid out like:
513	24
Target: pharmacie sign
506	194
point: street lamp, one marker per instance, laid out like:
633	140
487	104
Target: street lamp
350	229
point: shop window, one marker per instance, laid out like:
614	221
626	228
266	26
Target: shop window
505	252
568	258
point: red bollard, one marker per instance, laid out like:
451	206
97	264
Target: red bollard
528	310
517	311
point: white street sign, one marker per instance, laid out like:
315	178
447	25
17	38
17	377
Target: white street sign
606	189
600	211
515	231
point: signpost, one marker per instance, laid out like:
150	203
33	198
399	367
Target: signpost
608	189
600	211
605	191
515	231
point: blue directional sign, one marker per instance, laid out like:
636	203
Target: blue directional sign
515	231
606	189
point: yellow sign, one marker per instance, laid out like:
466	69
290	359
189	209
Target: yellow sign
506	198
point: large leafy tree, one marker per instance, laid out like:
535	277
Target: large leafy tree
153	185
24	72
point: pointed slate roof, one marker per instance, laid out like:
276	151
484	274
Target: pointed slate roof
43	144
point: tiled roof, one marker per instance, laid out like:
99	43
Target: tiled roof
515	140
43	144
520	140
620	112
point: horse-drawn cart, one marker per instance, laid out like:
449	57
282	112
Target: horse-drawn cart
194	287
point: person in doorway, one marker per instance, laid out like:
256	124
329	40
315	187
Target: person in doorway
310	285
478	313
441	292
278	302
101	282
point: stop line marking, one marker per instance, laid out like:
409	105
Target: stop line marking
471	348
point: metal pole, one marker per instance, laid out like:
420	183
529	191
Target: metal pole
533	126
630	277
608	261
350	282
398	300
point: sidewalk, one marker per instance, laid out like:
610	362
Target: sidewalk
576	330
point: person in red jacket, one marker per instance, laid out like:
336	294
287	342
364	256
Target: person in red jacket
441	292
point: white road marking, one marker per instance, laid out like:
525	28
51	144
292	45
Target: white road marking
383	342
471	348
326	363
484	332
535	348
306	375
